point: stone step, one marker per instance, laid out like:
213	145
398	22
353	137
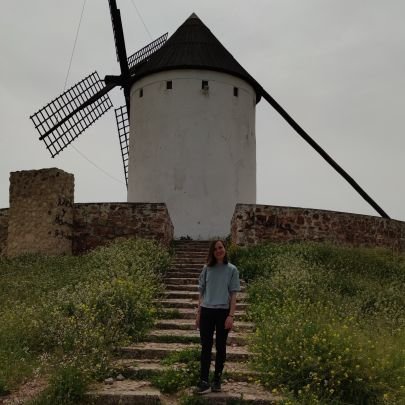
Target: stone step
191	336
188	280
182	287
126	392
146	368
190	303
189	324
241	297
191	244
137	392
181	281
197	268
189	253
178	242
187	246
183	274
152	350
187	274
142	392
189	260
196	271
190	313
196	257
191	287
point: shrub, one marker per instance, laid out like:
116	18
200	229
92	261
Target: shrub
80	308
329	323
67	387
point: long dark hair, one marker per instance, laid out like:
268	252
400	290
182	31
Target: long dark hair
211	259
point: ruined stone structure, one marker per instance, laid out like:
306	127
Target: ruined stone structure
96	224
42	218
41	212
3	230
252	224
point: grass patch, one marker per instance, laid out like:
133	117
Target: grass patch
177	339
330	321
168	314
183	371
182	356
67	386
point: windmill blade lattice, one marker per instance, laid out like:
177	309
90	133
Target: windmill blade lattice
146	51
121	115
56	135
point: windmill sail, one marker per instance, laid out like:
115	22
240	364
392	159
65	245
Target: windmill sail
146	51
121	115
65	118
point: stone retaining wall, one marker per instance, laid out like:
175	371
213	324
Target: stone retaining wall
3	230
252	224
97	224
41	212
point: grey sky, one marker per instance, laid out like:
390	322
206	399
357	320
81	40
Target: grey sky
337	66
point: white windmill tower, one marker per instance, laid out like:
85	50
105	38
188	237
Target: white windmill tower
193	132
189	118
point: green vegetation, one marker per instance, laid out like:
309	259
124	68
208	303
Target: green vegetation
63	316
168	313
66	386
198	400
330	322
183	371
182	356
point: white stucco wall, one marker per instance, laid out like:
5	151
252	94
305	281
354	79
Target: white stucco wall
194	150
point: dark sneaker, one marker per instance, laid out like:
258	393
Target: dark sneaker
216	385
202	388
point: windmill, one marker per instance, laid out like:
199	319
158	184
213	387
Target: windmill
180	129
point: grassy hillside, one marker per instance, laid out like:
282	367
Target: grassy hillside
63	316
330	322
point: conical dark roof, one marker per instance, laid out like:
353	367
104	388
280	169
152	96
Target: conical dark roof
194	46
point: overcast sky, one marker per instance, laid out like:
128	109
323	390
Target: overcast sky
337	66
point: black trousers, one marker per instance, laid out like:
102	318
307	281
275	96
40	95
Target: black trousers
213	319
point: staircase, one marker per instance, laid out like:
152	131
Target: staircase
139	361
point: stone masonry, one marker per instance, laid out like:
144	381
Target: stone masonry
252	224
42	217
41	212
3	230
96	224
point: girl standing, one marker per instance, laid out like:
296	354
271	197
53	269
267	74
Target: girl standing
218	285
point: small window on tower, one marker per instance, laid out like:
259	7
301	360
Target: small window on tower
140	92
235	91
169	85
204	85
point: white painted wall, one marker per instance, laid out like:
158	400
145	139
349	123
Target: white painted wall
194	150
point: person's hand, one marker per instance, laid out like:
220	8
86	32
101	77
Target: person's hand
197	321
229	323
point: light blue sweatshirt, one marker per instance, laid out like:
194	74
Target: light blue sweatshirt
216	283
